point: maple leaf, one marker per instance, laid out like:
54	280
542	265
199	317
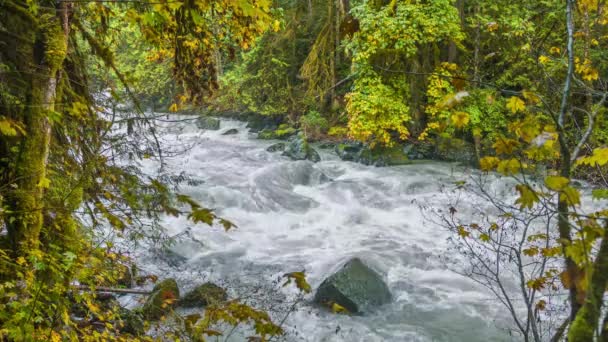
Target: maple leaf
515	104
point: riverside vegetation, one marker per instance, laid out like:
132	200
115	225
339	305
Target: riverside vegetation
517	89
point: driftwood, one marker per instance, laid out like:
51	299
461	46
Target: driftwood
112	290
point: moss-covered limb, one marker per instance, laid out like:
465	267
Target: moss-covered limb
588	318
21	11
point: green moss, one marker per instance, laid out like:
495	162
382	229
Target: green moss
55	43
164	296
385	156
203	295
282	132
581	331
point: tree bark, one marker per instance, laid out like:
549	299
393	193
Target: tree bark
44	59
588	317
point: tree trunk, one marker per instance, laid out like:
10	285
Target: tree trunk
588	317
46	57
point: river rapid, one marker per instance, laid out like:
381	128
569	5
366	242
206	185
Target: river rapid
296	215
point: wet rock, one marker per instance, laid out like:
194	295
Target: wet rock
203	295
456	150
327	145
231	131
349	151
379	156
420	151
282	132
276	147
164	296
384	156
355	287
258	122
299	149
208	123
131	322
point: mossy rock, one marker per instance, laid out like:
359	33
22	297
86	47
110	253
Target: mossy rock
276	147
327	145
164	296
131	322
456	150
203	295
349	151
258	122
231	131
282	132
356	287
208	123
384	156
299	149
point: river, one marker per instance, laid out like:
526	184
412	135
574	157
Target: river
296	215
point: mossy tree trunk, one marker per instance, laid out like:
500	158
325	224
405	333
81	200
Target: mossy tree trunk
588	317
41	63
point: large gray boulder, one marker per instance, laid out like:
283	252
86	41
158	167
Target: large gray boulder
299	149
208	123
356	287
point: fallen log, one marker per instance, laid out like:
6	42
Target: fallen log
111	290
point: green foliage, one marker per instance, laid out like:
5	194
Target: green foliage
377	105
313	124
376	111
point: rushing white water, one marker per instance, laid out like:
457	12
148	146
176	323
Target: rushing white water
296	215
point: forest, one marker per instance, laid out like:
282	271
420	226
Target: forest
304	170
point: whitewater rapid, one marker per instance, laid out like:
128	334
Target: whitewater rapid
296	215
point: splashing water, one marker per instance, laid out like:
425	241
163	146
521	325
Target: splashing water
296	215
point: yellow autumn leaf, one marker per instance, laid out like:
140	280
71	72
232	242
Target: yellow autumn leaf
543	59
460	119
276	26
337	309
515	104
555	50
488	163
531	97
599	158
571	196
463	232
173	108
556	183
527	196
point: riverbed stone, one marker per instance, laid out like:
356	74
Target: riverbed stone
276	147
257	122
283	132
164	297
299	149
378	156
131	322
384	156
208	123
231	131
356	287
203	295
349	151
456	150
